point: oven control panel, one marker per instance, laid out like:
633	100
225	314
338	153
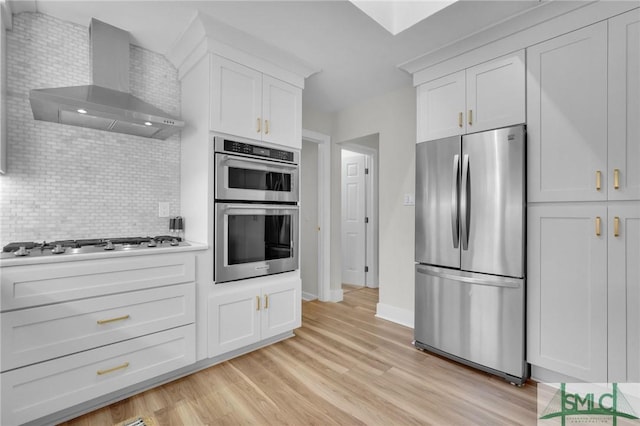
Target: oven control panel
259	151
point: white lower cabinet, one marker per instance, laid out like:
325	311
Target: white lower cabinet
567	289
77	330
32	392
243	313
583	281
624	292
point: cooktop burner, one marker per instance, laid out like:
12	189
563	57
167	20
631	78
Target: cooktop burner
19	249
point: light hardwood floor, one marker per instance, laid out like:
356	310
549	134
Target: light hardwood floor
345	366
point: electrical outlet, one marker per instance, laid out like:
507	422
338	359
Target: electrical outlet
163	209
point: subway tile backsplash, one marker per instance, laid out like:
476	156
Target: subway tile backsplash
69	182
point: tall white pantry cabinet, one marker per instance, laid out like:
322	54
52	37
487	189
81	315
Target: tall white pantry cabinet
583	97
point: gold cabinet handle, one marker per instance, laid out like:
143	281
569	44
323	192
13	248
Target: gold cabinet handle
598	222
107	321
258	303
259	126
616	178
111	370
266	127
616	226
470	117
598	180
266	301
459	119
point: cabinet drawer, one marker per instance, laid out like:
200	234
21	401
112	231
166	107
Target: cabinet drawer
32	392
33	285
38	334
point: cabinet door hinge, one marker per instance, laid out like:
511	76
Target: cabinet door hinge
366	170
366	269
366	220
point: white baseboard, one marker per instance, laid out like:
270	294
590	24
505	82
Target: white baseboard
542	375
308	296
395	314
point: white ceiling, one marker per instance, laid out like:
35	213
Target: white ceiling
358	58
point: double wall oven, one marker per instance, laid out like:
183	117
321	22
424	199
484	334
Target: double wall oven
256	209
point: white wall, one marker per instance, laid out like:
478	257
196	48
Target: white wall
309	219
393	117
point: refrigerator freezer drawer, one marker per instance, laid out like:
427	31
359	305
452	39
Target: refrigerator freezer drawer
472	317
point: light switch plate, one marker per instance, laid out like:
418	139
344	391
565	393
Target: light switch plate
163	209
409	200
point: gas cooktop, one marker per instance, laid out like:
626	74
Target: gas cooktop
62	247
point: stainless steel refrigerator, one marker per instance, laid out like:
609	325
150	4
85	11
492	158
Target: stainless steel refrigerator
470	250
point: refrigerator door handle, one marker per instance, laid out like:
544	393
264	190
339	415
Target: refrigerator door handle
485	280
455	189
464	203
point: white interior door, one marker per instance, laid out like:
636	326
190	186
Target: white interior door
353	218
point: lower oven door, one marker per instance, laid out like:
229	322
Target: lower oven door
254	240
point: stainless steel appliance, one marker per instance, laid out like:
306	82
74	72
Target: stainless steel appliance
93	245
251	172
470	250
256	212
106	104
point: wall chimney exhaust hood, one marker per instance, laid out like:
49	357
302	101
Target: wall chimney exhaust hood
106	104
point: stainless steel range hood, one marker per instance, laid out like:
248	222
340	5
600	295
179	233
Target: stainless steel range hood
106	104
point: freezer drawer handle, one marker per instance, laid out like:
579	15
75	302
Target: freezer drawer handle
455	189
497	282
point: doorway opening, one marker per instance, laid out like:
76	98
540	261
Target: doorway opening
315	209
359	213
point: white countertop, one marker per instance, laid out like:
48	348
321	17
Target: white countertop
36	260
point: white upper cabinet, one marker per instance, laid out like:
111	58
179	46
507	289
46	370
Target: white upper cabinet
487	96
282	112
624	107
495	93
441	107
236	99
567	117
248	103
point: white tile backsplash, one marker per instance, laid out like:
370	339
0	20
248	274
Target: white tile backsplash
69	182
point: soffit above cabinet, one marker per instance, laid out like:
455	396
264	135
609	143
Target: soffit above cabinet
207	35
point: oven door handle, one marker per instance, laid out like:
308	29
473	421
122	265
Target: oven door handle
259	207
268	165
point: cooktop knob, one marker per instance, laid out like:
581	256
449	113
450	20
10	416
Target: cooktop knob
58	249
22	251
109	246
152	243
174	242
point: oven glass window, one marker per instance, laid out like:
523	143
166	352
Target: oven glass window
254	238
262	180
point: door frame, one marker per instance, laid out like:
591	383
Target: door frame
324	211
371	207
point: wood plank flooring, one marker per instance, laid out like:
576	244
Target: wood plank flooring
344	367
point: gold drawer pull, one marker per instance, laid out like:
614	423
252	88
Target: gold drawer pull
598	180
111	370
258	301
107	321
266	127
470	117
616	226
616	178
259	126
459	119
266	301
598	226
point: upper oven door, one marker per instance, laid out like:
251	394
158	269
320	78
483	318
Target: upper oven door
252	179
